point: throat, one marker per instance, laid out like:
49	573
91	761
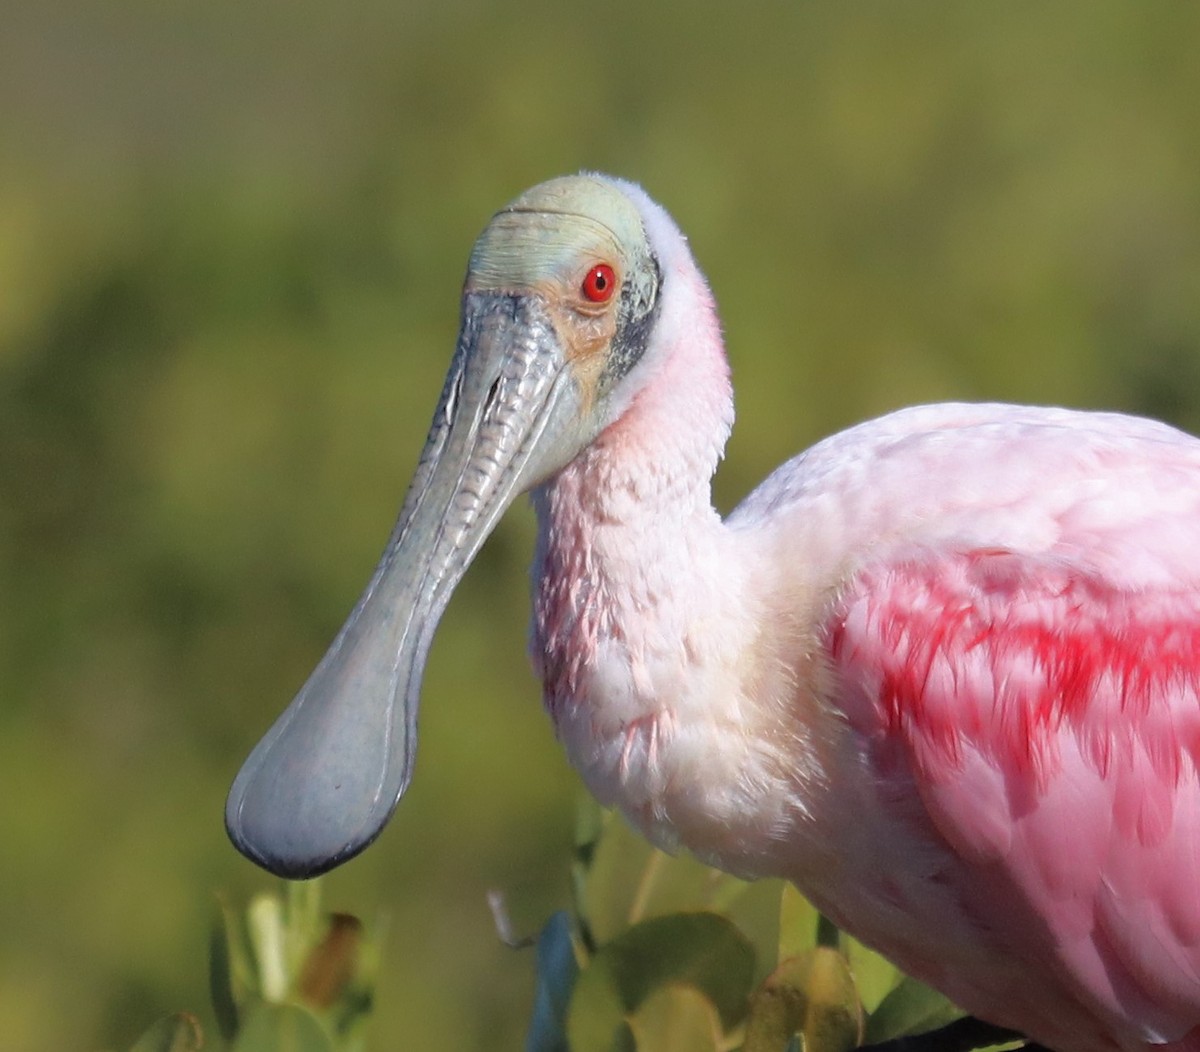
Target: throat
618	581
627	543
645	642
630	638
628	538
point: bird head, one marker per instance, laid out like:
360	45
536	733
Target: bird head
560	308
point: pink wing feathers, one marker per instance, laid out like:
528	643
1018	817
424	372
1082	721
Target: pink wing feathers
1050	723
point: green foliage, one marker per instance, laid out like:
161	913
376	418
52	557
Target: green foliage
662	953
178	1033
685	964
908	1008
282	1028
813	995
285	977
700	950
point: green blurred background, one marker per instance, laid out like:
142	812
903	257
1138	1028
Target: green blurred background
231	240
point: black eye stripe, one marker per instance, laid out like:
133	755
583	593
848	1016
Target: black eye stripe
636	316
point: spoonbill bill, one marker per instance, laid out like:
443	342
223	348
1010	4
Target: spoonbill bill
942	670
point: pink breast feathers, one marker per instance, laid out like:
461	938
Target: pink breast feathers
1050	724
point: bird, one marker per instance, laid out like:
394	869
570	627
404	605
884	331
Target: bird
941	671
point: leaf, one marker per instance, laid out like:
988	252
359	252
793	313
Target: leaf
681	883
874	975
623	1040
231	977
834	1022
798	924
677	1019
589	827
812	993
304	923
282	1028
755	909
267	930
911	1008
702	950
725	890
778	1006
557	971
179	1033
332	964
629	881
619	860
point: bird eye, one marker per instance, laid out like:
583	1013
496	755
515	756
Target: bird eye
600	283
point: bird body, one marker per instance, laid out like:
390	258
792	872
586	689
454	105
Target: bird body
942	670
972	710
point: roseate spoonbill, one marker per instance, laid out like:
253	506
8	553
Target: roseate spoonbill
942	670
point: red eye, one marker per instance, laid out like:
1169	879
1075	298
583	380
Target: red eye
600	283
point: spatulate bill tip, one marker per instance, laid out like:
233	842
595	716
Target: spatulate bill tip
296	865
292	854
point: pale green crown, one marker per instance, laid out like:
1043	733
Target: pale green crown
559	226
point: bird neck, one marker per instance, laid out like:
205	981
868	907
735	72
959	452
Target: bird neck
646	626
623	529
621	517
630	571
